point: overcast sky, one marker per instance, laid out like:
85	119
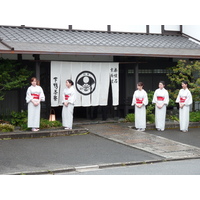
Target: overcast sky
96	15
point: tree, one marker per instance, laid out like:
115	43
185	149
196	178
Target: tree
13	75
185	71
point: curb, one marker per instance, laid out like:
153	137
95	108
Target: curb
98	167
42	134
174	125
61	132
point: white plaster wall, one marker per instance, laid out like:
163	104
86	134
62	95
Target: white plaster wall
129	28
172	27
155	29
192	30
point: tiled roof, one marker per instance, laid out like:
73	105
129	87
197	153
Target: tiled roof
29	39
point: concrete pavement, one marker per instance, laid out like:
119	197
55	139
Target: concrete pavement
155	144
37	156
64	154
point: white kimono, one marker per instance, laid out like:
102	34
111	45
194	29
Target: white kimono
34	93
161	96
140	97
184	97
69	95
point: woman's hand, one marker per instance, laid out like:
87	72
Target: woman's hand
66	103
159	105
139	105
35	103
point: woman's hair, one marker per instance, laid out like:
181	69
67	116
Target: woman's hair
163	82
140	84
185	82
70	81
37	81
33	78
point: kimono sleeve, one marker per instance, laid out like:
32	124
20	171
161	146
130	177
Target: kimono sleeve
155	97
133	100
42	96
166	101
178	98
145	102
72	98
189	100
29	97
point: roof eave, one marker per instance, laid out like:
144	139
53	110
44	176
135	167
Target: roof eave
98	54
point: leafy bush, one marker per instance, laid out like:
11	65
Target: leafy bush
13	75
151	118
173	117
19	118
130	117
45	123
185	71
150	109
195	116
6	128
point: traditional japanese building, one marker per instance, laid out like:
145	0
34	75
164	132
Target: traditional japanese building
105	65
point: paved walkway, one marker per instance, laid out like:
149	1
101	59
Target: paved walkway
120	132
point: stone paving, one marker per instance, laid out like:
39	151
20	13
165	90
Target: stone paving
120	132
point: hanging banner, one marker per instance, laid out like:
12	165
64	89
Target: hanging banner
55	83
91	81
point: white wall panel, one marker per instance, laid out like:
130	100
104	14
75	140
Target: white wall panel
192	30
155	29
172	27
129	28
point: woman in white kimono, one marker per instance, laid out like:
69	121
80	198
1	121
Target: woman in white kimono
34	96
184	99
69	97
140	100
161	99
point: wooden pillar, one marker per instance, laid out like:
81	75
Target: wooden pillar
109	28
162	29
147	29
37	66
136	75
181	29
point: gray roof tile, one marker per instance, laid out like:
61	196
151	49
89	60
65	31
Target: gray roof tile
29	38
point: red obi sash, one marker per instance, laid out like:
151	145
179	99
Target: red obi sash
35	96
67	97
182	99
160	98
139	101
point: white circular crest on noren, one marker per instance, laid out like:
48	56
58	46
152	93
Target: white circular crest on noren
85	82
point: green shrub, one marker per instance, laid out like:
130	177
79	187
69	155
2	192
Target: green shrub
19	118
130	117
45	123
173	117
151	118
6	128
195	116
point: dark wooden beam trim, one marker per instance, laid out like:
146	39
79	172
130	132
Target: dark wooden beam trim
8	46
147	29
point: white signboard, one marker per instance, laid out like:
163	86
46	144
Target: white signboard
91	81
